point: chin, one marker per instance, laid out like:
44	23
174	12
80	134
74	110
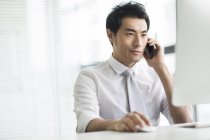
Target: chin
137	59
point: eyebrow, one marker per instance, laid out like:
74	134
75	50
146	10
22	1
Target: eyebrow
132	30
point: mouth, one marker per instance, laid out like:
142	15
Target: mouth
136	52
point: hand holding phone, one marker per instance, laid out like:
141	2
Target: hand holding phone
150	51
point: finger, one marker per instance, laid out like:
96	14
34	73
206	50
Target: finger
136	118
153	42
130	124
141	122
138	121
144	119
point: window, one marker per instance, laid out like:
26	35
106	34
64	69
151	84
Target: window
43	44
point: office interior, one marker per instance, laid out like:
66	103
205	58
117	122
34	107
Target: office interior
43	46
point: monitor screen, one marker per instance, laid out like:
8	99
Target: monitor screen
192	73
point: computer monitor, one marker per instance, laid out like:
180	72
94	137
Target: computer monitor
192	70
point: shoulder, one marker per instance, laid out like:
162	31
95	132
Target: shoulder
92	71
89	76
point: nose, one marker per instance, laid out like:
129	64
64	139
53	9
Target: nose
138	41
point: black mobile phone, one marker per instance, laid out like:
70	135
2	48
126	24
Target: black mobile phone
150	51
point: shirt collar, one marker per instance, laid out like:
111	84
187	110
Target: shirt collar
118	67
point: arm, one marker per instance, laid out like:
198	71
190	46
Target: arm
99	124
127	123
179	114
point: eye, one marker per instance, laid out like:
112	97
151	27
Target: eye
144	35
129	34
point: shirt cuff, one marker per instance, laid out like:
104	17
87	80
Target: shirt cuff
83	123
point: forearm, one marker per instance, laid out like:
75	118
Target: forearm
99	124
179	114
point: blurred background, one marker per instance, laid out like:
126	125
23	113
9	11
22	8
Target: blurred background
43	46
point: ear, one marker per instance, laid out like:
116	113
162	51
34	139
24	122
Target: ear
110	35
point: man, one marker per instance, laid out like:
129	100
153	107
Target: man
102	96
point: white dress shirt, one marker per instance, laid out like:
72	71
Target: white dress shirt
100	92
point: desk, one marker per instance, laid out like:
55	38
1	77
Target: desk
162	133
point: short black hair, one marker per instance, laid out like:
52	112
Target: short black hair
129	9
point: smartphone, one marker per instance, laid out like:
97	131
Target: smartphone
150	51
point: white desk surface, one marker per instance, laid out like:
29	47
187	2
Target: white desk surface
162	133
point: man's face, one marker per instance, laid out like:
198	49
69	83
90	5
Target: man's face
130	40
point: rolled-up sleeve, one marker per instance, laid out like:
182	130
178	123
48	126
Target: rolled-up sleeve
86	105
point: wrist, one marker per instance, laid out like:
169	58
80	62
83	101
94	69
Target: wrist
159	67
113	125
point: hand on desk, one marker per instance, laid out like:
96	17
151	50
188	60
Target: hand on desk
130	121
